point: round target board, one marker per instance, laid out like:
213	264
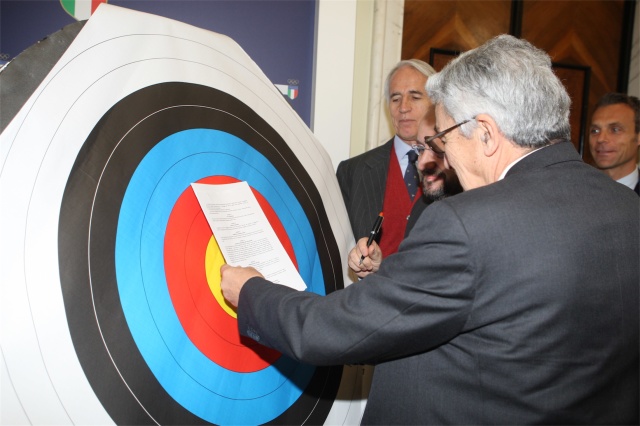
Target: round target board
114	270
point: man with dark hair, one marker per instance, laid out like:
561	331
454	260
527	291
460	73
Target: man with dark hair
437	181
614	138
513	302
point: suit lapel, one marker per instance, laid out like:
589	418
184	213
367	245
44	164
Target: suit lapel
376	175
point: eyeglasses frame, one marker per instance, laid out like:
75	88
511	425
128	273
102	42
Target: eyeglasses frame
429	140
419	149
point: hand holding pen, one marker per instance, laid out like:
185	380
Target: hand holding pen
374	232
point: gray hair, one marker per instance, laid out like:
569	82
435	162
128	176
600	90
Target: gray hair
513	82
421	66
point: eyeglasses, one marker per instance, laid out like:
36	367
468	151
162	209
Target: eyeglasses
419	149
430	140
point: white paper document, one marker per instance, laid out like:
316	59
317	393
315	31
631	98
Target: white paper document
243	232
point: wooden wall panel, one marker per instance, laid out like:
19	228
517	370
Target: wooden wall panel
585	33
453	25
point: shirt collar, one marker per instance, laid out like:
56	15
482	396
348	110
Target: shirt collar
400	147
504	172
631	179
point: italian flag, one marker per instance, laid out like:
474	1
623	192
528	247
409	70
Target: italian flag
81	9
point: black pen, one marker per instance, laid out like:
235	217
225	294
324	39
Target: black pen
374	232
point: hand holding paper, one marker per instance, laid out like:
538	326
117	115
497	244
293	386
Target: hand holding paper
243	232
232	280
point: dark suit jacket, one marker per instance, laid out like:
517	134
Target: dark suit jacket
514	303
363	180
416	211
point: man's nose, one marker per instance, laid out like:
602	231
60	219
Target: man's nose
405	105
603	136
427	159
427	156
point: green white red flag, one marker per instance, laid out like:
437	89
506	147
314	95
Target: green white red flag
81	9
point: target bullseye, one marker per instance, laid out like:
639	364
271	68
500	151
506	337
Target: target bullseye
194	284
213	261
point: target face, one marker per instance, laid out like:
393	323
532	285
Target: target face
112	257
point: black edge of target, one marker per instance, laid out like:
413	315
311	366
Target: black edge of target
85	221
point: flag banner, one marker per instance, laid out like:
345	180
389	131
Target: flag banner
81	9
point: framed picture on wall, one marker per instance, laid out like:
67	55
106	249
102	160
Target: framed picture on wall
438	58
576	80
574	77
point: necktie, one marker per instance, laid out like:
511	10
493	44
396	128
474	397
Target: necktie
411	174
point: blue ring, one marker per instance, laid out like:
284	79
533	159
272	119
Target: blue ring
206	389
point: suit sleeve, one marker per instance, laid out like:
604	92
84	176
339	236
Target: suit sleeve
420	298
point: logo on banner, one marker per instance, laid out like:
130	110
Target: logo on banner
290	90
81	9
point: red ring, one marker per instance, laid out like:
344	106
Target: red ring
212	330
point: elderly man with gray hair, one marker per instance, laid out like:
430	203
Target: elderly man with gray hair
514	302
385	178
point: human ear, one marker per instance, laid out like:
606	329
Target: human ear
488	134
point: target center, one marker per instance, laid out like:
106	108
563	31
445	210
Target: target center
213	260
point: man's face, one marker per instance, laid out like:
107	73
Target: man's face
408	102
438	181
462	153
613	141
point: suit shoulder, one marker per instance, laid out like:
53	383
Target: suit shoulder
378	152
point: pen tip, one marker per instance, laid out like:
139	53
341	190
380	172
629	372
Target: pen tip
381	214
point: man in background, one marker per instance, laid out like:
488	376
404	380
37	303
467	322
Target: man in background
614	138
507	303
374	181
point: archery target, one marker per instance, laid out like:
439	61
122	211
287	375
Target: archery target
112	267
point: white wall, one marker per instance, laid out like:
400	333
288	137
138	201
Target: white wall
333	79
358	41
362	76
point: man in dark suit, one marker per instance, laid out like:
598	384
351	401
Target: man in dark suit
373	182
514	302
614	138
